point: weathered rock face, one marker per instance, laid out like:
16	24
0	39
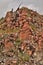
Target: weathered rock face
21	38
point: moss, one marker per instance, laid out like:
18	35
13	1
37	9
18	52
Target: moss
23	56
1	20
33	27
9	30
18	42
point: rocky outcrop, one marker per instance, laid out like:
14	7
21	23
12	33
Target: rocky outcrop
21	38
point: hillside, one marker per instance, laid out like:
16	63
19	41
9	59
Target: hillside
21	38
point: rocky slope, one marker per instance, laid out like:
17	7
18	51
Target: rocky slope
21	38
